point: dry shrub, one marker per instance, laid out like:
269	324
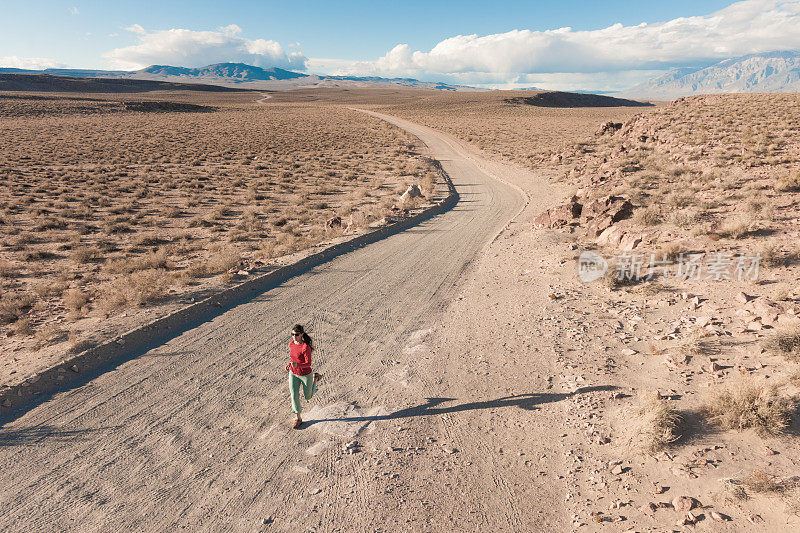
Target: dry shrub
49	335
771	255
7	270
152	260
749	403
736	227
784	342
671	251
652	423
685	218
790	183
49	290
649	216
85	254
760	482
13	307
74	299
23	327
222	259
140	288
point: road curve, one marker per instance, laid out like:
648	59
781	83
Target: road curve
194	434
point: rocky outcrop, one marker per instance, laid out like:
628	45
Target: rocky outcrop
560	216
601	213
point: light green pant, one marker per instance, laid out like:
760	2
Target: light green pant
309	388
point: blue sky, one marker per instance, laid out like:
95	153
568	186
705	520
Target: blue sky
568	44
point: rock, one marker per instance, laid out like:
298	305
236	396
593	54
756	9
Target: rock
267	520
717	517
559	216
617	470
649	509
755	519
658	489
7	403
687	520
681	472
630	241
609	127
683	503
603	212
742	298
611	236
713	367
335	222
702	321
628	351
766	450
676	361
314	490
413	191
74	368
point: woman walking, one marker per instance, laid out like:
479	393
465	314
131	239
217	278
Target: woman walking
299	369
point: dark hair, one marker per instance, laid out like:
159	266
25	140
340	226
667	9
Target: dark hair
306	339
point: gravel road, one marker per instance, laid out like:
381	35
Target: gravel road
195	434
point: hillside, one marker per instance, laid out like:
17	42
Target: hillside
48	83
763	73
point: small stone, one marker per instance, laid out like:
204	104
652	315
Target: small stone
314	490
742	298
683	473
649	509
683	503
74	368
628	351
658	489
617	470
766	450
755	518
717	517
267	520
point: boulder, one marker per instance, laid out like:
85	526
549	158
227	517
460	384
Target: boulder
413	191
559	216
601	213
609	127
335	222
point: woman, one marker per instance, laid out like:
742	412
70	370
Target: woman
299	369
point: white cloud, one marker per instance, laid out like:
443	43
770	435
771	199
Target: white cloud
73	10
742	28
30	63
190	48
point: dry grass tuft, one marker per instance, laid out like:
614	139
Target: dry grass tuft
652	423
784	342
749	403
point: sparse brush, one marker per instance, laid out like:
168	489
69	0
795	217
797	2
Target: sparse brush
648	216
14	306
685	218
784	342
670	251
652	423
749	403
48	335
771	255
74	299
736	227
790	183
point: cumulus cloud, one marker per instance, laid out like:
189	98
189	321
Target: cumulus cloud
751	26
74	11
30	63
190	48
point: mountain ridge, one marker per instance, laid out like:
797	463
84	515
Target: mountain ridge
765	72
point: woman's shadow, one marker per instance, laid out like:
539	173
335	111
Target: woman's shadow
433	406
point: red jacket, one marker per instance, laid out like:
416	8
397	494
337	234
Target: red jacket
300	355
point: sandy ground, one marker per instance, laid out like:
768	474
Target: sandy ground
472	383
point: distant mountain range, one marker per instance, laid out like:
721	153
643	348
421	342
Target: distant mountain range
756	73
242	76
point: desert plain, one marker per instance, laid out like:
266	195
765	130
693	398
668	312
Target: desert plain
514	393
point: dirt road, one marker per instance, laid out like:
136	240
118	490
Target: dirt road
195	434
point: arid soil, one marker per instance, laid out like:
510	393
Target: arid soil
521	397
115	206
697	355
